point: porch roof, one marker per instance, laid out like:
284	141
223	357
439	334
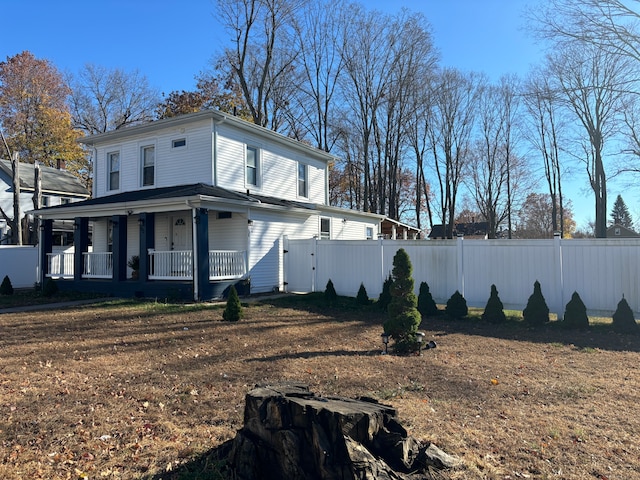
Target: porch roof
161	198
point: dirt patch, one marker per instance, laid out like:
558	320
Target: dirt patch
143	390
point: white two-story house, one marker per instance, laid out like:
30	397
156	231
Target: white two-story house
204	201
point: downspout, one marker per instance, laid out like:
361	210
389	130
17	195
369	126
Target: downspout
194	248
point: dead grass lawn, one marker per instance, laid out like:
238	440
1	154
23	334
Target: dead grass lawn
142	390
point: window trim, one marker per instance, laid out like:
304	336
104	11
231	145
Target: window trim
255	167
325	235
110	172
305	180
143	149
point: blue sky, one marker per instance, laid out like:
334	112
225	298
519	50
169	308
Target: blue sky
172	41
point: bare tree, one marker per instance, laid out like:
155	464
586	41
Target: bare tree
590	81
455	108
103	100
262	57
543	129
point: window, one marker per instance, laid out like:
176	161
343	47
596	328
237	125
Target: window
65	201
369	232
302	180
45	200
223	215
252	166
179	142
113	164
148	157
325	229
110	236
617	231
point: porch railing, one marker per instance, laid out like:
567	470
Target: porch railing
60	265
227	264
170	265
98	265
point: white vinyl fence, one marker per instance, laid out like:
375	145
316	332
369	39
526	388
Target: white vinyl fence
602	271
20	263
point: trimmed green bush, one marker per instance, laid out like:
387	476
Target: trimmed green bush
404	317
494	310
50	288
426	305
6	288
362	298
233	311
330	294
385	296
536	313
456	306
623	320
575	313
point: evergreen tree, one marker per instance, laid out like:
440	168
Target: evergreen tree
330	294
494	310
575	313
6	288
623	320
233	310
404	317
426	305
456	306
620	214
536	312
385	296
363	297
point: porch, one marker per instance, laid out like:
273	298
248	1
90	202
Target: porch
163	265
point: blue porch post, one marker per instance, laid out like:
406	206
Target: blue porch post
119	248
46	247
202	249
147	241
80	245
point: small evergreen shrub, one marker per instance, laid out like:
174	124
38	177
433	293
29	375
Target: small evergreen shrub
426	305
404	317
623	320
233	310
494	310
457	306
575	313
50	288
6	288
385	296
362	298
330	294
536	312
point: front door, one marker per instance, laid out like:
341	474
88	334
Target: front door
181	245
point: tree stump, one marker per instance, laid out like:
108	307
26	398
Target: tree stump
291	433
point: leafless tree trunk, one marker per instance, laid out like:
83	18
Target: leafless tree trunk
543	130
589	80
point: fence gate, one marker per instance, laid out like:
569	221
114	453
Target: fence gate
299	265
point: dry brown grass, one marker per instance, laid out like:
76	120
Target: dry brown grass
129	390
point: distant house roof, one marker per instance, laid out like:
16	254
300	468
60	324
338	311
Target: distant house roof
56	181
618	231
467	230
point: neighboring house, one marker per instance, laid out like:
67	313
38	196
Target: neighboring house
57	187
203	201
470	230
618	231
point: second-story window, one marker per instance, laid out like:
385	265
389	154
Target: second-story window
113	164
303	188
148	159
252	166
